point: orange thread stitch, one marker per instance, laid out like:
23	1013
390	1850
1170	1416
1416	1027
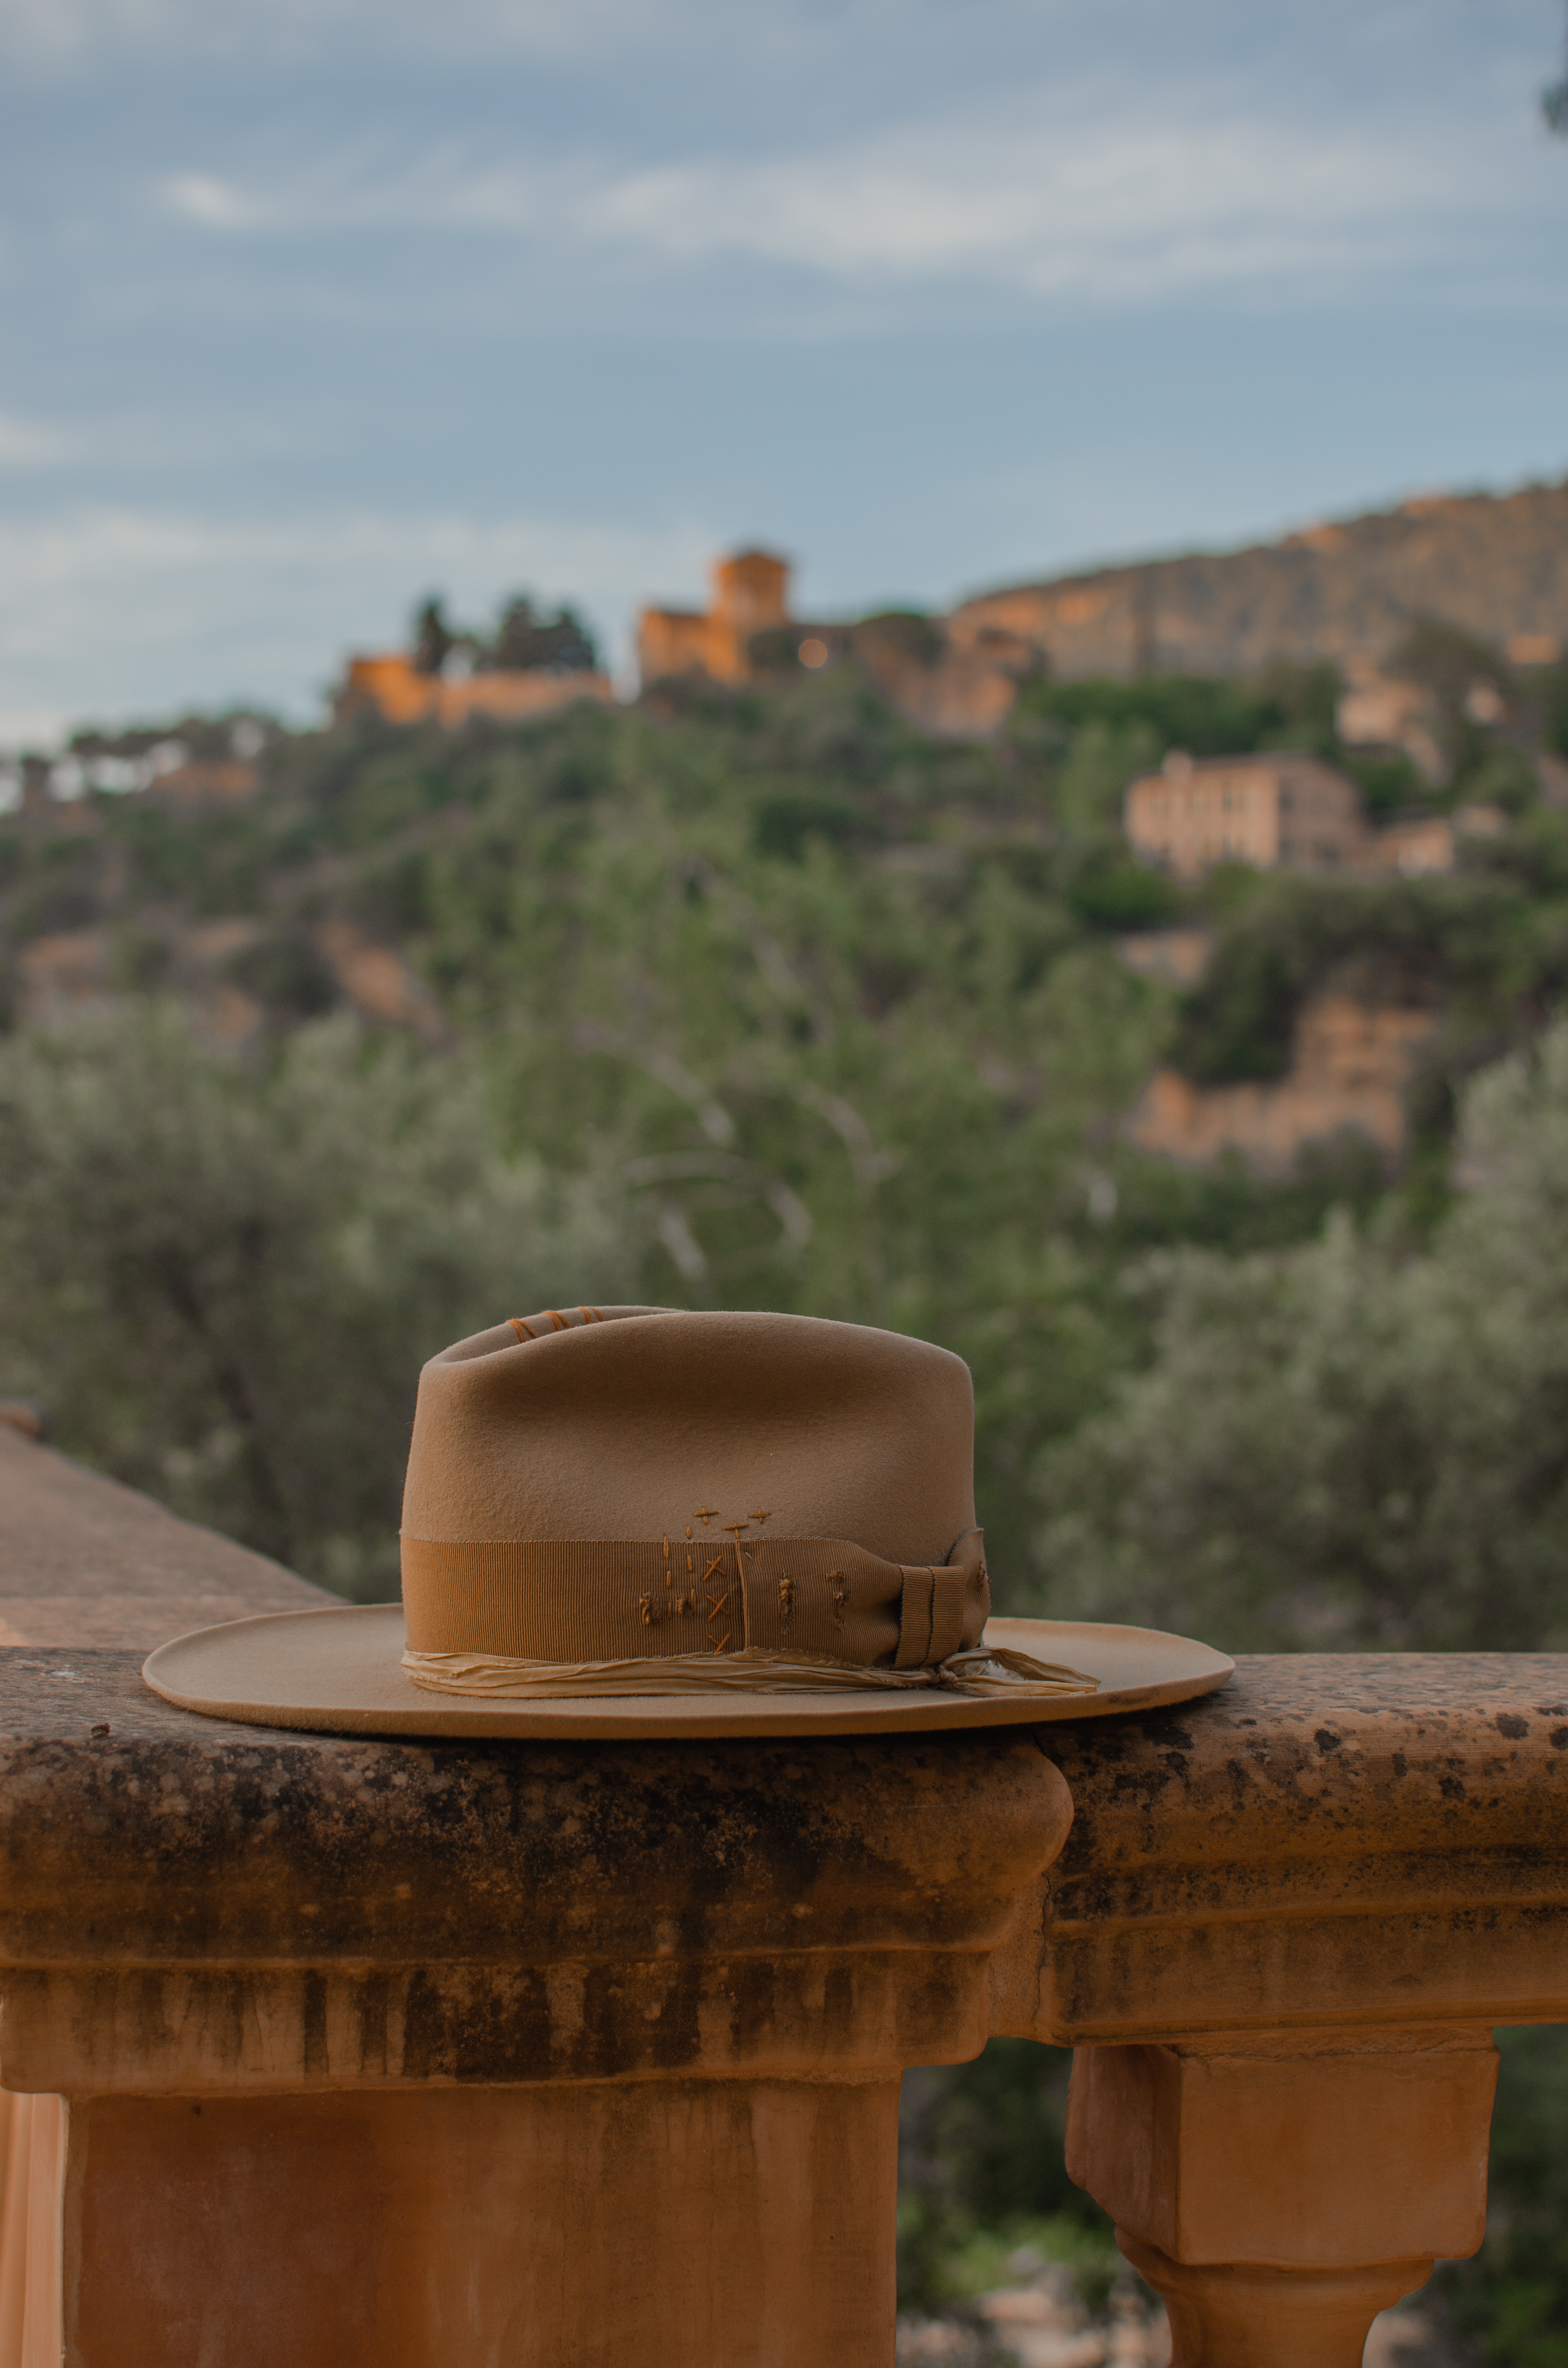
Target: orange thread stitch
524	1330
722	1643
706	1513
786	1597
590	1315
558	1321
762	1517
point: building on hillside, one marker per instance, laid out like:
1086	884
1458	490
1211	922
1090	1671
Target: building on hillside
750	595
1376	710
1289	809
1291	812
1351	1065
394	686
1414	847
1417	844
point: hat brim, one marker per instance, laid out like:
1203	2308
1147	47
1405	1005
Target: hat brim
339	1671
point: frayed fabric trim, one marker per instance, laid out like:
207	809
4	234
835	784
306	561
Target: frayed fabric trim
752	1671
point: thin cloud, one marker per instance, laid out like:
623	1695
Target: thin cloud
117	610
1071	197
31	443
216	205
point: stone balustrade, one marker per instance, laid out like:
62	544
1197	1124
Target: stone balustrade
1279	1937
393	2054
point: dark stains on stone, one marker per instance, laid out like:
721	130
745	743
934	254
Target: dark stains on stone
183	1838
313	2026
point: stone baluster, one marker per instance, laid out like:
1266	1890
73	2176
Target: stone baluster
1279	2191
1279	1935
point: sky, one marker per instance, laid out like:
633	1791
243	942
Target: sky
309	307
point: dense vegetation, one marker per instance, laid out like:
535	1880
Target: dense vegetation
769	1000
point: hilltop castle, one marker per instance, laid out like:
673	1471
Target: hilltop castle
750	595
1493	567
396	689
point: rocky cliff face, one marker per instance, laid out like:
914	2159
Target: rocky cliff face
1493	565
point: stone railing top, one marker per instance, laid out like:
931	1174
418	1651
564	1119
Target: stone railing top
1331	1840
189	1906
84	1561
1357	1838
1310	1788
134	1832
1313	1757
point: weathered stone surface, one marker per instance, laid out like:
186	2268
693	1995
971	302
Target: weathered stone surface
1376	1837
171	1837
184	1901
84	1561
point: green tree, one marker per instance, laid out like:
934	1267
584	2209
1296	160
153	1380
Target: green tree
1348	1443
434	639
525	638
221	1277
1554	104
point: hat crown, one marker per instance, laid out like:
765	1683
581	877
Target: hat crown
645	1422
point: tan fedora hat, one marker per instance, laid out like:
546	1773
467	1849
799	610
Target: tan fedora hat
654	1521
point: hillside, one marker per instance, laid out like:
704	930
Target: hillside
1492	566
820	1011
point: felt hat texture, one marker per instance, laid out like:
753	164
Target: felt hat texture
629	1521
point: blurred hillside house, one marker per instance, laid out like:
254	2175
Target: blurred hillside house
199	764
1290	810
